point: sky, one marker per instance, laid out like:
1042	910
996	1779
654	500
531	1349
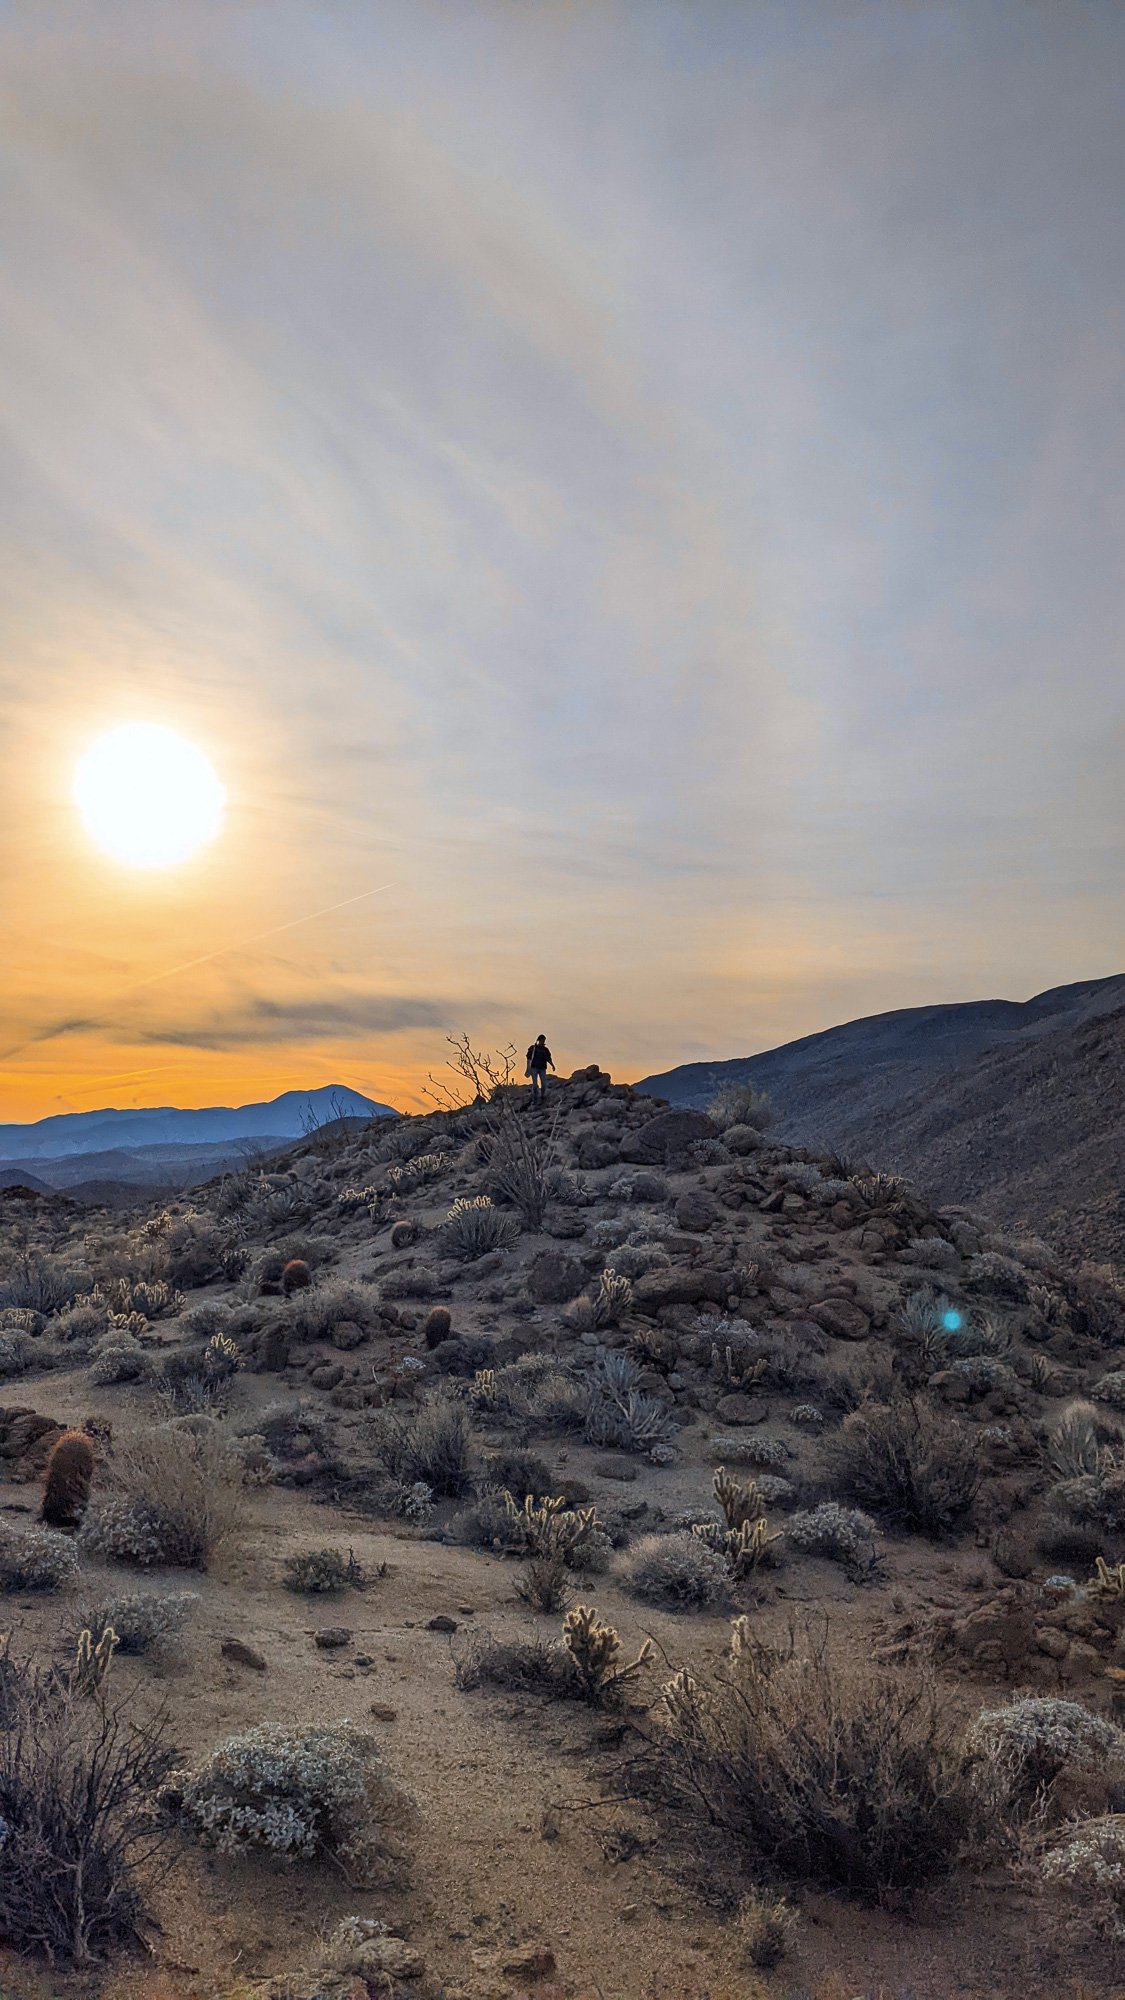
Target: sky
628	497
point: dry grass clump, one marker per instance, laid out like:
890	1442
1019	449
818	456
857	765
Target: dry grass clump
176	1495
79	1777
433	1445
763	1927
818	1771
301	1793
35	1559
916	1471
678	1571
317	1310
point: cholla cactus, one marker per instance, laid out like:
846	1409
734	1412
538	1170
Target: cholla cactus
614	1296
482	1390
549	1528
92	1663
1106	1582
595	1649
354	1201
131	1323
220	1357
739	1372
740	1499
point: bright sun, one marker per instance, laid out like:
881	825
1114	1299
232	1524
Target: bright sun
147	796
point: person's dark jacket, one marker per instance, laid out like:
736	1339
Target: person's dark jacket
539	1056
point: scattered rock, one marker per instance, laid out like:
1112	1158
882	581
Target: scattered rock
696	1209
332	1636
738	1408
844	1319
442	1623
553	1277
245	1656
383	1713
25	1442
668	1135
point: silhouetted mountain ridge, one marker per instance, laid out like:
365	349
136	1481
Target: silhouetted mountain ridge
282	1118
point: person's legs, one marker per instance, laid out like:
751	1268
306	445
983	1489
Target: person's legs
538	1084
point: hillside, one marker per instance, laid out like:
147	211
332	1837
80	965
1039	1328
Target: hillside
1018	1108
358	1501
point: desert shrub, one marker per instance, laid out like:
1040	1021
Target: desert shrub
632	1260
35	1559
544	1584
434	1444
749	1449
1111	1389
843	1774
150	1298
82	1323
933	1253
119	1357
15	1354
176	1495
840	1534
143	1620
1097	1498
316	1571
529	1666
298	1792
999	1276
78	1782
474	1225
763	1928
520	1473
1084	1865
677	1571
916	1472
1021	1749
316	1312
740	1104
1061	1540
41	1283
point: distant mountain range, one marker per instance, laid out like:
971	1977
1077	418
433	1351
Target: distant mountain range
1015	1107
114	1155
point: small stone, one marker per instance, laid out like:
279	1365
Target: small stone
245	1656
467	1610
442	1623
382	1713
332	1636
738	1408
530	1961
629	1913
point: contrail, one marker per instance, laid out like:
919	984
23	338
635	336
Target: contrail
189	964
207	958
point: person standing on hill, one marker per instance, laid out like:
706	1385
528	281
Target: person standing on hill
539	1061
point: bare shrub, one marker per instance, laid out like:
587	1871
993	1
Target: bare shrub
301	1793
678	1571
917	1472
41	1283
78	1781
848	1775
740	1104
176	1495
434	1445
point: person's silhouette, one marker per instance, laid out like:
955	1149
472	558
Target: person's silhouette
539	1061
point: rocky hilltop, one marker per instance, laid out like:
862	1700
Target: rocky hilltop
473	1433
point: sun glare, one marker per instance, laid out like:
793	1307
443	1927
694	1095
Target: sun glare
148	797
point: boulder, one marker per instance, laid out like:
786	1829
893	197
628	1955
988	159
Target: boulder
844	1319
553	1276
737	1408
669	1134
696	1209
25	1442
681	1285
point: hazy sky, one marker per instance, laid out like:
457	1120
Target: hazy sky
639	485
